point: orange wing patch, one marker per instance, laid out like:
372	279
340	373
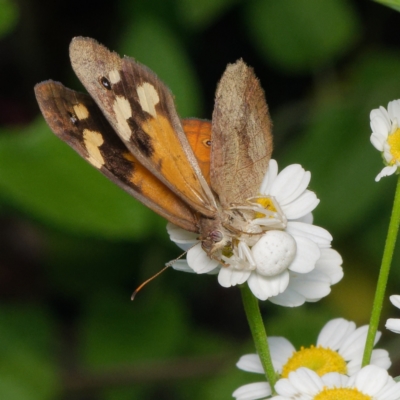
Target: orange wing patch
198	133
76	119
168	204
141	109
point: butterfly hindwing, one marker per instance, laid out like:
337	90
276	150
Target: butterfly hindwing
77	120
141	110
241	136
198	133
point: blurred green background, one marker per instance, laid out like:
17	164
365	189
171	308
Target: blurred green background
73	246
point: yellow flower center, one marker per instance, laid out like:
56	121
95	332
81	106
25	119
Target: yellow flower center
341	394
266	203
319	359
394	143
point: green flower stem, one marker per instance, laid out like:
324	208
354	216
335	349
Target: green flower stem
383	276
250	304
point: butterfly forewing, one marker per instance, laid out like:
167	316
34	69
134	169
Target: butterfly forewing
141	110
77	120
241	136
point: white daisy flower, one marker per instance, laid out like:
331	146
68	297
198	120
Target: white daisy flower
370	383
393	324
385	136
281	254
339	348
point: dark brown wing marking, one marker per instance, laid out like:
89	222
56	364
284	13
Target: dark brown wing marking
77	120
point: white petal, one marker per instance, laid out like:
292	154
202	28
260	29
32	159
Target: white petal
354	366
269	177
306	381
377	113
250	363
387	171
313	286
289	298
252	391
377	141
370	380
333	379
184	239
282	398
317	234
390	391
380	126
303	205
394	110
334	333
395	300
384	113
287	183
177	234
387	152
353	346
281	350
380	112
307	219
229	276
393	324
264	287
182	265
330	264
307	254
301	179
199	261
286	389
380	358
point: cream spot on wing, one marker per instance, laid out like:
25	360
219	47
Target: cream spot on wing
81	111
123	111
148	98
93	140
114	76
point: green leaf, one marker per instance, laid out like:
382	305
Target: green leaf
200	14
27	371
152	43
42	176
302	35
395	4
9	15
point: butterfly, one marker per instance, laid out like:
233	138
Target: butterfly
201	176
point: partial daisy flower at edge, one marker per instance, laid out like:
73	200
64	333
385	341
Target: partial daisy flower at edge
339	348
393	324
385	136
370	383
290	261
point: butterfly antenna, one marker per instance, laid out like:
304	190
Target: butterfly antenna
147	281
169	264
155	276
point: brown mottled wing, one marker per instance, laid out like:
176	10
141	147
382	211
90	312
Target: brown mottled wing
76	119
141	110
241	136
